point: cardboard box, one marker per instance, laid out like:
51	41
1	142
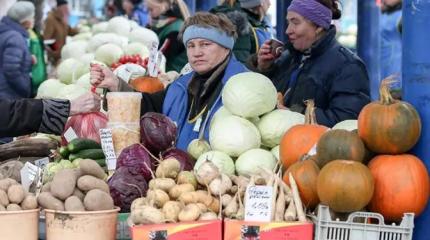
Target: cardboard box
241	230
202	230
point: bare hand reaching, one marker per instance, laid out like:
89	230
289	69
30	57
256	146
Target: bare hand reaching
89	102
103	77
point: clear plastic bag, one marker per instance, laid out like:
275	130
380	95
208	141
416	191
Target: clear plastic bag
86	125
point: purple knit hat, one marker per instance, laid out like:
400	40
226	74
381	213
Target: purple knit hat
313	11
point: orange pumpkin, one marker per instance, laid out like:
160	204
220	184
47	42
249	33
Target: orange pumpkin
299	139
345	186
401	185
339	144
147	84
305	172
389	126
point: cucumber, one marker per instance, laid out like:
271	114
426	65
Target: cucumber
79	144
101	162
87	154
64	152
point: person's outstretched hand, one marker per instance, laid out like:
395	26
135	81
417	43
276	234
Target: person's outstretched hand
103	77
89	102
265	56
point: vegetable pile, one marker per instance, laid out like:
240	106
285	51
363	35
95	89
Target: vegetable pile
13	197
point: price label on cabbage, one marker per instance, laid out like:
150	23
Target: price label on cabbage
108	149
258	203
70	134
152	62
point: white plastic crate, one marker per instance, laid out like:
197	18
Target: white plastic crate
328	229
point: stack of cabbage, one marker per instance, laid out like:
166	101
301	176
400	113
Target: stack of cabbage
246	128
104	43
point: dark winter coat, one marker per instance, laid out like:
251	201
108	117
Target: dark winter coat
328	73
15	60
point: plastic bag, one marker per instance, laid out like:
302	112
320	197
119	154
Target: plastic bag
86	125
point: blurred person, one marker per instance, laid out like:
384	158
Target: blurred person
57	28
250	18
315	66
137	11
38	72
391	41
167	18
191	100
15	57
113	8
26	116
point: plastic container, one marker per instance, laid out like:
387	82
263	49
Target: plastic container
358	227
91	225
124	135
19	225
124	107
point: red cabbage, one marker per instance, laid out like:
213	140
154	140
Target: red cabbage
157	132
138	160
125	186
184	158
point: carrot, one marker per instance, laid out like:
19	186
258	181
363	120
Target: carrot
297	201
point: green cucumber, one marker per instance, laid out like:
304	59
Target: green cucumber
101	162
64	152
79	144
87	154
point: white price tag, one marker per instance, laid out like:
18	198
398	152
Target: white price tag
108	149
41	163
313	150
258	203
197	125
28	174
152	62
70	134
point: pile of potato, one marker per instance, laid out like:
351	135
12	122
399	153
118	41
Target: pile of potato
174	196
13	197
80	189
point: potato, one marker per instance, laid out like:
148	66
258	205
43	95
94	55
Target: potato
158	197
16	194
97	200
46	187
168	168
202	207
138	203
6	183
29	202
78	194
208	216
78	172
87	183
164	184
91	167
4	199
147	215
63	184
191	212
73	203
177	190
47	201
13	207
171	210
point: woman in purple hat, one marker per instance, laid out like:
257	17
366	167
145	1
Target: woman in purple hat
313	65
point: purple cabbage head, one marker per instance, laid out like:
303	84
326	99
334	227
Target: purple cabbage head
157	132
138	160
125	186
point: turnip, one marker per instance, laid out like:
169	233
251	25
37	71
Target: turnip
176	191
231	209
208	216
226	199
197	147
220	185
147	215
207	172
158	197
164	184
171	210
168	168
191	212
187	177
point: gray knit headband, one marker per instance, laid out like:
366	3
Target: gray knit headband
313	11
210	33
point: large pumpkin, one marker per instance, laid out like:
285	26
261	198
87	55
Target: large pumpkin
299	139
345	186
305	172
401	185
389	126
339	144
147	84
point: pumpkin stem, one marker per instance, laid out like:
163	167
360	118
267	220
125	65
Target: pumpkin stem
310	117
384	90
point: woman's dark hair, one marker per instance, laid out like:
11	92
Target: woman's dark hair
333	5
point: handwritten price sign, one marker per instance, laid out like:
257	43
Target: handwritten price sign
258	203
108	149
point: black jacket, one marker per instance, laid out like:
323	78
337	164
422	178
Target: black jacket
25	116
328	73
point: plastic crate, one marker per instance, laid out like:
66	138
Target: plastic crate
328	229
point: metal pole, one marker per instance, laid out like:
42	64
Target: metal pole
205	5
191	5
281	14
368	41
416	84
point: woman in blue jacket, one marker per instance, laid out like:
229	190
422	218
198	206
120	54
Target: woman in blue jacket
192	100
15	56
315	66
